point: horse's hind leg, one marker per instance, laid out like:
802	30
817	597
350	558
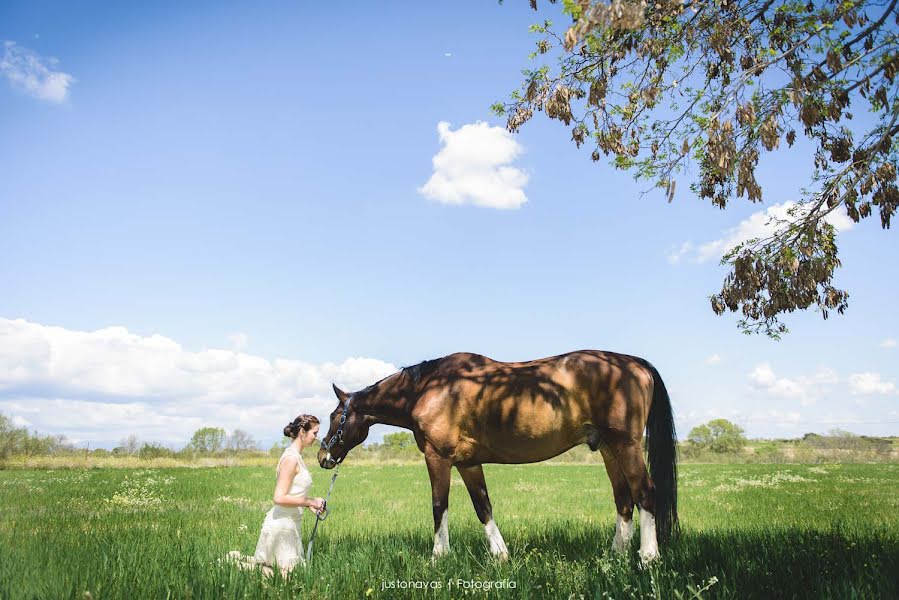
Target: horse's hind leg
624	502
439	473
477	489
629	456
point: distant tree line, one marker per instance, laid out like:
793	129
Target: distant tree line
719	440
206	441
18	441
838	439
394	446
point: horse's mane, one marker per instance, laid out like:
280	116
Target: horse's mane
422	369
416	372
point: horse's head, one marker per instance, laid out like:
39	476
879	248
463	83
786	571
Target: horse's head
348	429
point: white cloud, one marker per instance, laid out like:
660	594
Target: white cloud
447	54
473	167
34	74
714	359
825	376
864	384
238	340
888	343
763	377
758	225
676	253
805	389
108	383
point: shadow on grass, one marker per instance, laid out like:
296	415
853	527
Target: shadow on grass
776	563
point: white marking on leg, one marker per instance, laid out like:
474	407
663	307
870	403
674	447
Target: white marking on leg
624	531
495	538
649	547
441	538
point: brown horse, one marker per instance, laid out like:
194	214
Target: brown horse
466	410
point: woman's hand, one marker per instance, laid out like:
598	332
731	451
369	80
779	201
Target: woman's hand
316	504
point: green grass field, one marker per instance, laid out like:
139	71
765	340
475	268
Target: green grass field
748	531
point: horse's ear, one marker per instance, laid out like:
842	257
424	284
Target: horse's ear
341	395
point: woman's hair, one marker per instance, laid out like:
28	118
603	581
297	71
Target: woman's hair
302	422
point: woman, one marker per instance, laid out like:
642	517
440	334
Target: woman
280	540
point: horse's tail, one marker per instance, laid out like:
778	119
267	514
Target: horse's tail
661	440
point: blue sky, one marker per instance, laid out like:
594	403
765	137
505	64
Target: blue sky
241	188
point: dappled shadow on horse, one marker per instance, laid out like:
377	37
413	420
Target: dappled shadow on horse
466	410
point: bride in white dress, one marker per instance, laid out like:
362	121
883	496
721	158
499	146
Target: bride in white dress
280	541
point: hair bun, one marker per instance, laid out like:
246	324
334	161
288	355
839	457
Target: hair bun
302	422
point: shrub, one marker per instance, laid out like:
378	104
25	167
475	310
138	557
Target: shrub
150	450
718	435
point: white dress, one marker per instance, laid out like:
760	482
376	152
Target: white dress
280	542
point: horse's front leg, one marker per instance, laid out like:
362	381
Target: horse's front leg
477	489
439	472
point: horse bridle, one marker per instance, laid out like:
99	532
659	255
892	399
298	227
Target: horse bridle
337	438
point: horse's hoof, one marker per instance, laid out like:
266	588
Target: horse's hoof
648	558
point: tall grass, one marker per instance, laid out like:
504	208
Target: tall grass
763	531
